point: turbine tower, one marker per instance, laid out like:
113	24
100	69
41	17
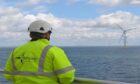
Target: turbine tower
124	36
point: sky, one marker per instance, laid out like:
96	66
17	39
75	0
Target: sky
74	22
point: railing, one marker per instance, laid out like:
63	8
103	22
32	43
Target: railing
95	81
79	80
1	71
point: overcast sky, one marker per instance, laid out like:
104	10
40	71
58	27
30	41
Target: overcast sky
75	22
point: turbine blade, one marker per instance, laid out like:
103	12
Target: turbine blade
130	29
122	36
120	27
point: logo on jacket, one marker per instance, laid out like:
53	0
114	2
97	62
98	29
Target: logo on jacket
24	58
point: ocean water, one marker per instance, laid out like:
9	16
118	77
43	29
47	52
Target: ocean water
104	63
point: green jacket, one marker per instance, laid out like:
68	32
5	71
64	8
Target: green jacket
26	64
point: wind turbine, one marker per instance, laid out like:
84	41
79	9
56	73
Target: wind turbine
124	36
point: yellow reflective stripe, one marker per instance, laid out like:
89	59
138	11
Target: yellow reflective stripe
64	70
42	58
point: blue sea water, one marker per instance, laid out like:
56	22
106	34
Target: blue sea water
104	63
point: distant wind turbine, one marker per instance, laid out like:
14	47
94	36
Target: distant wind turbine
124	36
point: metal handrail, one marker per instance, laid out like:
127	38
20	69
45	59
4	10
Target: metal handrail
1	71
79	80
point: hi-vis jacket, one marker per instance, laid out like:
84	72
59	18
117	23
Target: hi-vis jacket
37	62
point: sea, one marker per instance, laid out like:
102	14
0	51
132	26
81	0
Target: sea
102	63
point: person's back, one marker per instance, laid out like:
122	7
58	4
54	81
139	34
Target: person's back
37	62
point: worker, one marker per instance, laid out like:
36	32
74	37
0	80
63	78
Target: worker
38	62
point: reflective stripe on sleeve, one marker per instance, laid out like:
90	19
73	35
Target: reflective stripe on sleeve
64	70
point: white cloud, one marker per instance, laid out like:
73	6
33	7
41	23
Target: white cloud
99	28
135	2
33	2
73	1
9	10
40	9
105	2
36	4
14	24
120	17
114	2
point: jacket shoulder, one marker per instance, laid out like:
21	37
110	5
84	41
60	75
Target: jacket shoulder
21	47
56	48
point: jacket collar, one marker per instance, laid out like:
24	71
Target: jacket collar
45	41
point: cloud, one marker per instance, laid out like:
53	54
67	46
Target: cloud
104	2
135	2
73	1
119	17
11	19
9	10
14	25
40	9
34	2
114	2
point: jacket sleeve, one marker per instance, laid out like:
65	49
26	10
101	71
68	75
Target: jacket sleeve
62	66
9	69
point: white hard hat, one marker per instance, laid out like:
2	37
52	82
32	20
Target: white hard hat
40	26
